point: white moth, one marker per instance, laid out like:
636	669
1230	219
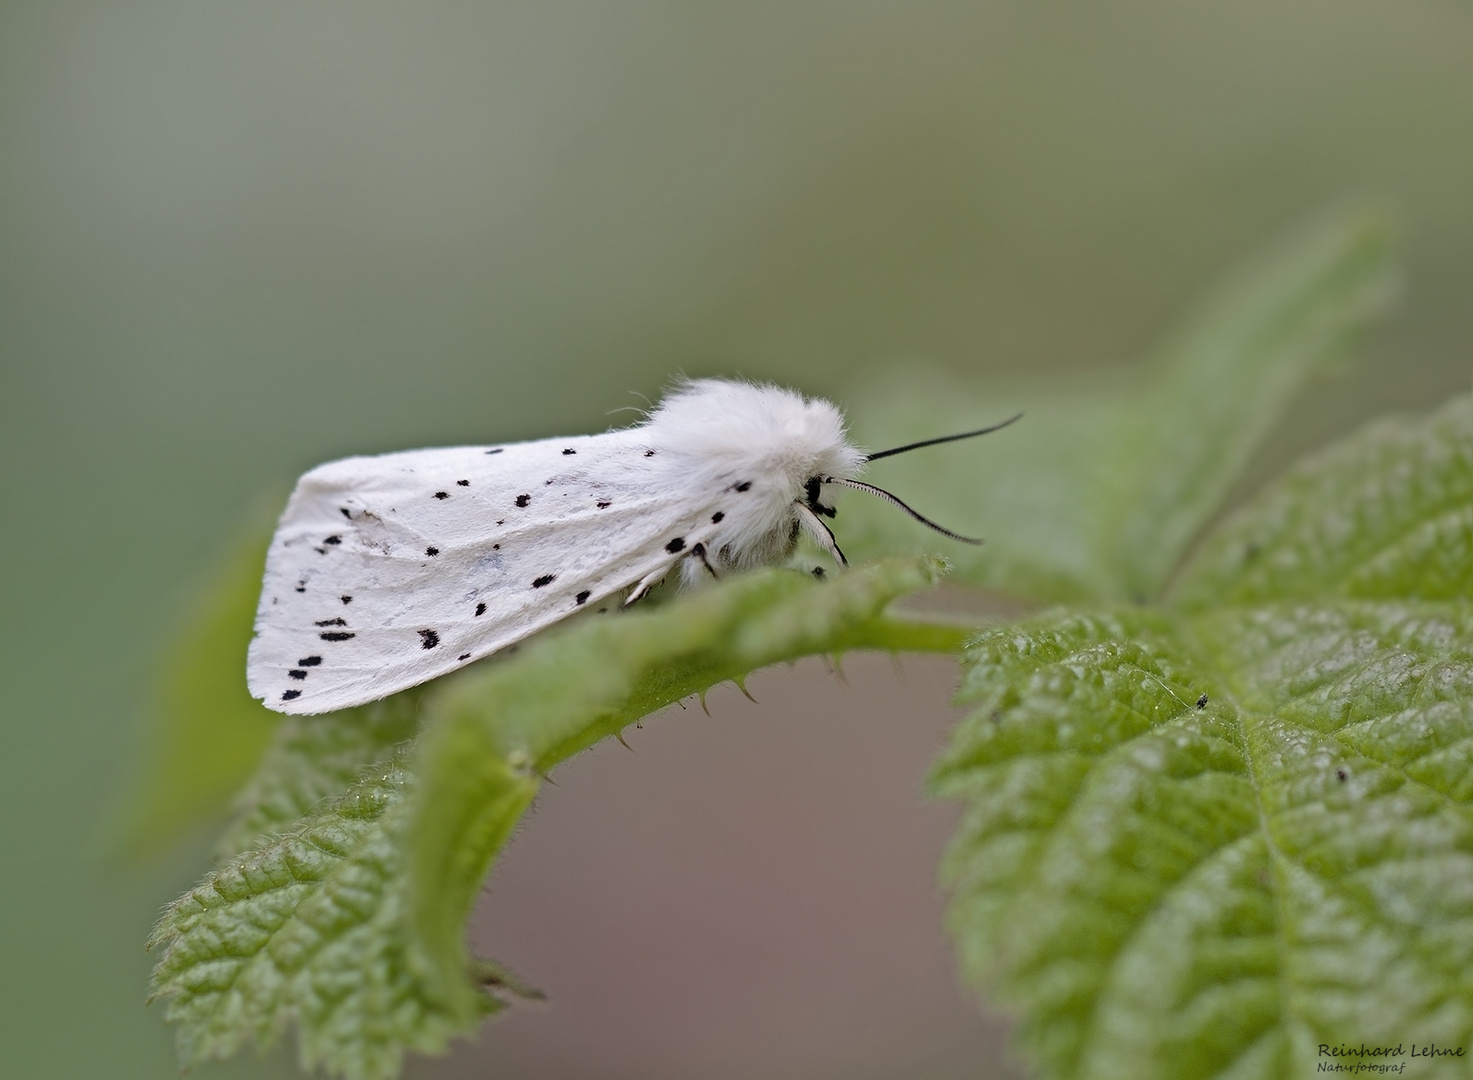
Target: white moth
388	571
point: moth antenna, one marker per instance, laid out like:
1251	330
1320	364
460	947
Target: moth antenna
859	485
945	438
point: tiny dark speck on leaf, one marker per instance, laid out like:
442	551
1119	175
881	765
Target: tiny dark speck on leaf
442	494
545	579
1202	702
1341	775
290	695
523	500
480	609
428	639
432	551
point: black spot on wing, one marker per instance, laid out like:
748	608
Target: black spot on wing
496	547
604	505
678	544
649	453
442	494
432	551
745	485
464	656
463	483
496	451
309	661
346	599
716	517
428	639
545	579
480	610
334	540
582	597
332	622
297	673
344	511
301	588
570	451
290	695
523	500
336	635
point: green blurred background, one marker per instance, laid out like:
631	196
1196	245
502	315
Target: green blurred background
240	239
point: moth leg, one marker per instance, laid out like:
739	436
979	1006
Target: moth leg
650	580
699	551
819	531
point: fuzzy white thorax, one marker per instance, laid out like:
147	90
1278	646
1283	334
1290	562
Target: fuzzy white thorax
726	434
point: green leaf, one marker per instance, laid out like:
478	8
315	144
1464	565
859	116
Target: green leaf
349	923
1167	890
308	927
313	758
1097	493
208	734
1387	515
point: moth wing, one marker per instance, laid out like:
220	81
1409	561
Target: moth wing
388	571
